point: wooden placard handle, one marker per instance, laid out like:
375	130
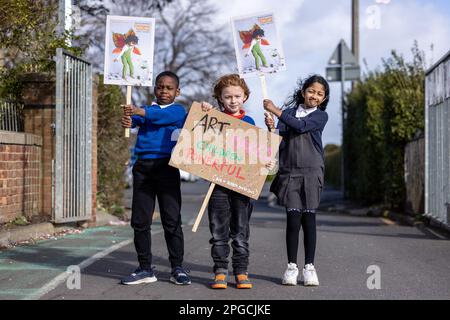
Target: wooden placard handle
203	208
127	130
264	92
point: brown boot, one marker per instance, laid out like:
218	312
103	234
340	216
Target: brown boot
242	281
220	281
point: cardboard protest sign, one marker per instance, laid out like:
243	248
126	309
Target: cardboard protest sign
225	151
257	45
129	48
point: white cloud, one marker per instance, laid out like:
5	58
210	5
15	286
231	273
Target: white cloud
311	30
401	23
283	10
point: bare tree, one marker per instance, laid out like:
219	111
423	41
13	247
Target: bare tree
91	33
189	44
188	41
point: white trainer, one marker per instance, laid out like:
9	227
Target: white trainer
290	275
310	276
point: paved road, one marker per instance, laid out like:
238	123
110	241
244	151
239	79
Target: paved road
412	264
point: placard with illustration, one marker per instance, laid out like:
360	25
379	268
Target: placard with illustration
257	45
129	49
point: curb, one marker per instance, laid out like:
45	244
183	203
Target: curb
19	234
32	233
373	212
46	230
430	229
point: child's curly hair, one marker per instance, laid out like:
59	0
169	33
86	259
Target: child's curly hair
228	81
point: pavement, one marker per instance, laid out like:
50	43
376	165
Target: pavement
353	253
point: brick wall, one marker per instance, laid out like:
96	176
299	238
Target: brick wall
20	175
39	100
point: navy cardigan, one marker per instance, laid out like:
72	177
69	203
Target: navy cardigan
314	123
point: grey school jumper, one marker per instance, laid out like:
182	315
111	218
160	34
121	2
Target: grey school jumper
299	181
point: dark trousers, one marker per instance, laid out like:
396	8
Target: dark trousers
155	178
229	215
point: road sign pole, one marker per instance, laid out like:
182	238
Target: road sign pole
343	117
355	29
355	33
343	66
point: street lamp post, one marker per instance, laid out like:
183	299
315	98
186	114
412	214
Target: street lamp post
355	28
64	18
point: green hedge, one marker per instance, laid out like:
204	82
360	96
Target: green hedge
383	113
113	148
333	156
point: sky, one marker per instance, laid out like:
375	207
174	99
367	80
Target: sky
310	31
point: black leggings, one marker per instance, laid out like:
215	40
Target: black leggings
295	220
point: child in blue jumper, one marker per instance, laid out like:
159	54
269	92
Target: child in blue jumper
153	177
299	181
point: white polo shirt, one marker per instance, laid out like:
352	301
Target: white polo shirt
302	112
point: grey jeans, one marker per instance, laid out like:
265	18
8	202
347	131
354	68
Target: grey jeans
229	215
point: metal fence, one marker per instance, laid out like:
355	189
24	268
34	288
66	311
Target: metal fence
11	116
73	160
415	175
437	142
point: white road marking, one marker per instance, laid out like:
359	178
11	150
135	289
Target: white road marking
51	285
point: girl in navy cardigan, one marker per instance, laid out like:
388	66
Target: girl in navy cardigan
299	181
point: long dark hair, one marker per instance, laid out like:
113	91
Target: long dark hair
297	98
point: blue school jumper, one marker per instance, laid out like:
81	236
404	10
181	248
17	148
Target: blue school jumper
154	140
